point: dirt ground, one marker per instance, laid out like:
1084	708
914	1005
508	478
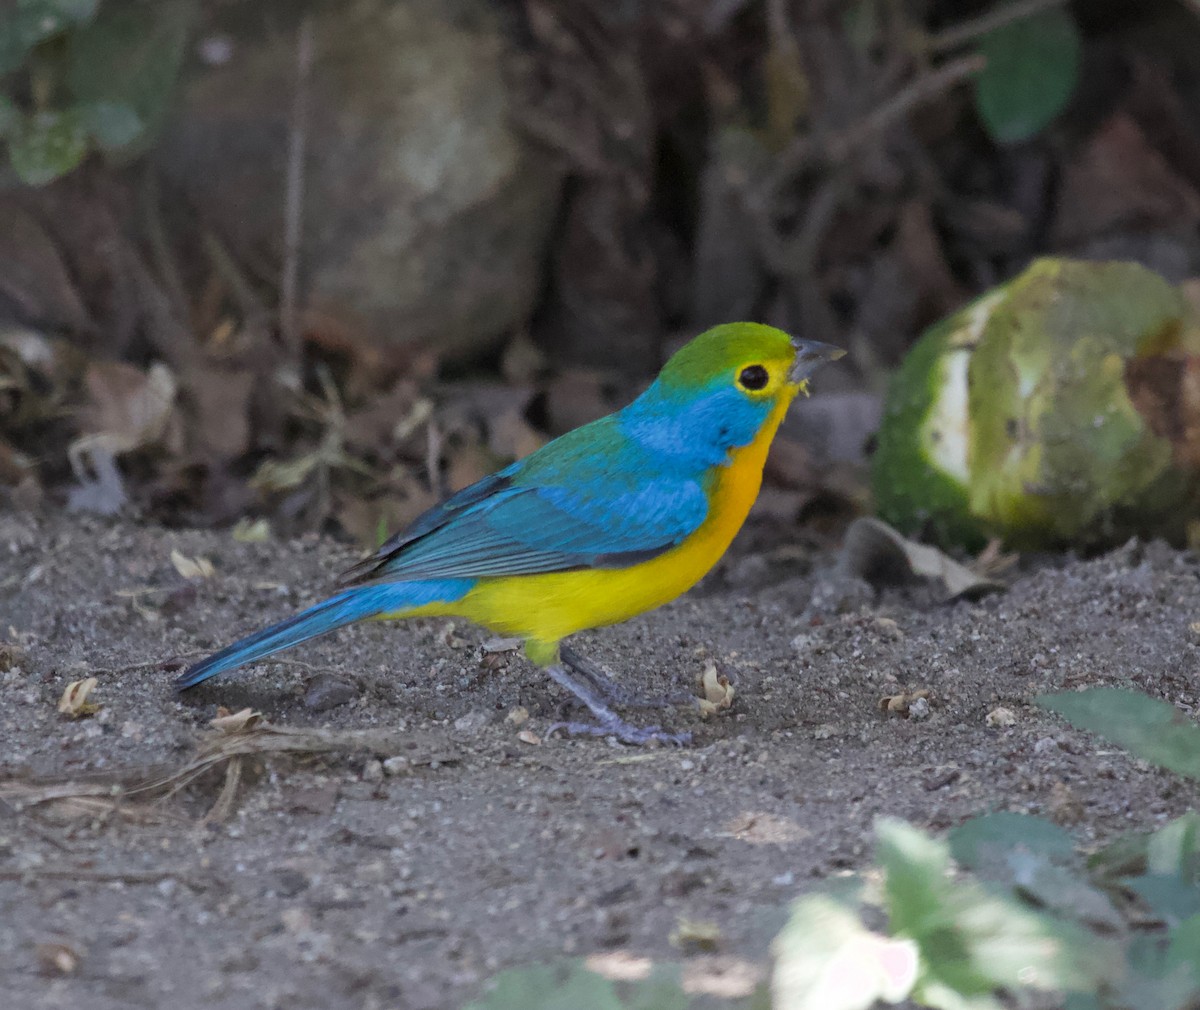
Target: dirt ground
335	884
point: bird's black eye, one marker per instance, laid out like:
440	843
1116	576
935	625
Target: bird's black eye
753	377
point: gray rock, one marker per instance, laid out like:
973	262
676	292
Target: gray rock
426	213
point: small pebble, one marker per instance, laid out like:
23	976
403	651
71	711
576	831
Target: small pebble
373	771
1000	718
325	692
396	766
918	709
472	722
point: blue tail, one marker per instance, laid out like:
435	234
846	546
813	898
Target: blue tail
355	604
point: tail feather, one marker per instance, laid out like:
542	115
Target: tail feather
353	605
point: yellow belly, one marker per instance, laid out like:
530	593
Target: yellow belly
547	608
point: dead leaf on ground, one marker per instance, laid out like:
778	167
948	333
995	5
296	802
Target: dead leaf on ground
127	408
235	722
899	704
875	551
1119	180
251	531
718	691
220	408
74	702
11	655
192	568
695	935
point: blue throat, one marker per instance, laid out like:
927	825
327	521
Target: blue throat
693	430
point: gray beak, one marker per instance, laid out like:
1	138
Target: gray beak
809	355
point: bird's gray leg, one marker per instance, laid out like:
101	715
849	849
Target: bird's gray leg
614	693
608	723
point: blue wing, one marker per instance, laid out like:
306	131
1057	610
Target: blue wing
581	502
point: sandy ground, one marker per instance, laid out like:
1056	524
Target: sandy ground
336	885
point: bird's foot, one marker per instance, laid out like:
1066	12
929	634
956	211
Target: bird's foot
617	694
637	736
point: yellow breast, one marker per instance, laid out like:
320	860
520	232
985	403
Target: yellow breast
547	608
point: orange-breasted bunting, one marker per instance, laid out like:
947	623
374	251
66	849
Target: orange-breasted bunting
612	519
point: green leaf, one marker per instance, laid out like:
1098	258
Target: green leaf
10	116
1038	859
661	991
826	959
973	941
112	125
974	843
549	987
1185	946
1155	980
1032	68
33	21
73	11
1149	728
1174	849
1169	897
50	144
130	55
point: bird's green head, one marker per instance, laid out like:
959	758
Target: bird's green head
760	362
718	391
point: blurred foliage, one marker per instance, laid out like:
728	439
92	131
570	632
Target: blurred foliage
81	75
1032	68
1004	906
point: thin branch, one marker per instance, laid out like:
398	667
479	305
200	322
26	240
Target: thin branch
833	149
294	193
969	31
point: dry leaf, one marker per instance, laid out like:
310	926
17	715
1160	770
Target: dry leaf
235	722
192	568
127	408
74	701
873	550
11	655
695	934
899	704
718	691
251	531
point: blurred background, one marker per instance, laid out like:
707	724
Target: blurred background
302	265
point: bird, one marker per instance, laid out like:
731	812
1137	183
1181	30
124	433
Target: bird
607	521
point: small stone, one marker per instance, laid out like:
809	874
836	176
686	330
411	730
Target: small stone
1001	718
825	731
396	766
529	737
325	692
1065	807
1045	745
517	716
373	771
918	709
472	722
493	645
887	628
